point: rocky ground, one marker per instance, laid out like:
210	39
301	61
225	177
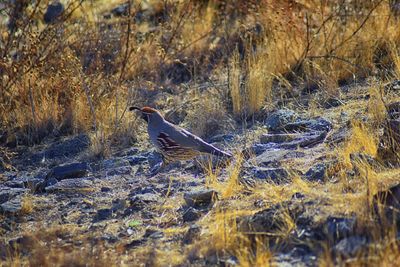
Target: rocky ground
283	188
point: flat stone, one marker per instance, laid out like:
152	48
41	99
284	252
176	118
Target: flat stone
351	246
73	170
124	170
7	193
280	118
338	228
70	185
53	12
12	206
318	172
191	214
276	175
200	197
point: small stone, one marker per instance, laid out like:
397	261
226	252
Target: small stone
277	138
135	160
222	138
105	189
73	170
7	193
192	233
339	227
53	12
70	185
317	172
191	214
351	246
279	118
200	197
13	206
125	170
103	214
277	175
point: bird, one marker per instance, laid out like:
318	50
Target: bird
173	142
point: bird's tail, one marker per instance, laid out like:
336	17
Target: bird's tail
208	148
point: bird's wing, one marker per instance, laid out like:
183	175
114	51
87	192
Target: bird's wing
189	140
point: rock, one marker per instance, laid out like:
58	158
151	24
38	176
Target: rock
121	10
135	160
67	148
103	214
192	233
351	246
389	200
393	86
271	219
221	138
277	138
339	136
23	244
191	214
153	233
139	201
294	140
319	124
317	173
24	182
115	163
200	198
276	175
13	206
338	228
73	170
125	170
279	118
70	185
53	12
7	193
332	102
273	157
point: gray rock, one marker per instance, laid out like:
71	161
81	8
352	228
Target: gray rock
279	118
103	214
222	138
144	198
351	246
135	160
191	214
13	206
317	172
24	182
318	124
115	163
70	185
278	138
67	148
200	198
276	175
393	86
273	157
53	12
192	233
338	228
73	170
125	170
294	140
8	193
389	201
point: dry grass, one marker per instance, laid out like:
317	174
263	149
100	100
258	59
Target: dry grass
53	83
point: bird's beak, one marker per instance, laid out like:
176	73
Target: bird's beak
144	115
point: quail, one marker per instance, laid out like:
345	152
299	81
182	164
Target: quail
173	142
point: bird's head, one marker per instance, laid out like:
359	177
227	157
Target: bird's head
148	114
